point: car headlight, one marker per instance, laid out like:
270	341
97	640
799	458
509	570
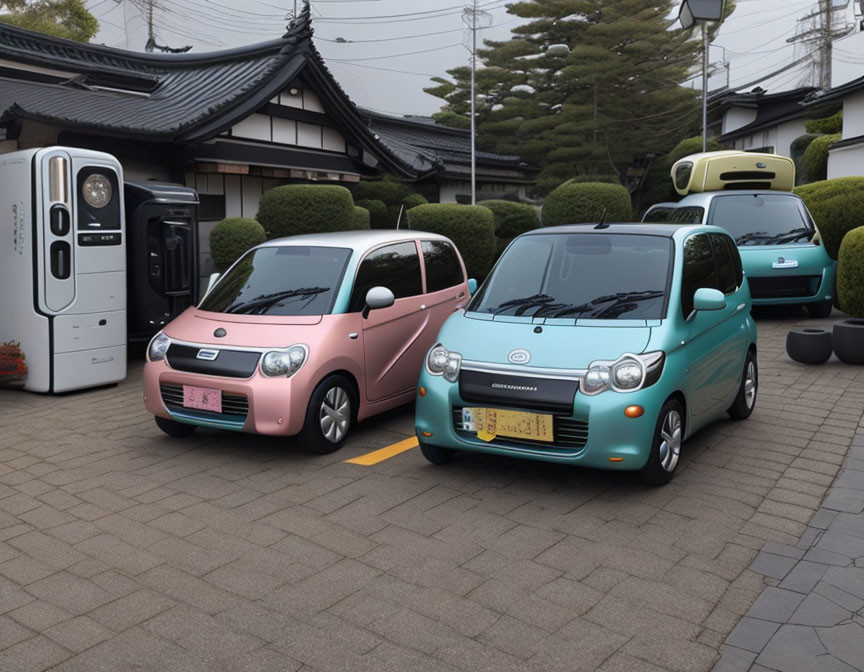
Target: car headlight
97	190
596	379
283	362
442	362
628	373
158	347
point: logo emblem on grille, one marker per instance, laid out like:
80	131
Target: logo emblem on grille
761	165
220	333
207	355
519	356
783	262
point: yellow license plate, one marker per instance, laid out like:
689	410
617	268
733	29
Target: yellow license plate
492	422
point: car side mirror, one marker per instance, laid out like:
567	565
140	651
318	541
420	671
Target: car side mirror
378	297
214	278
706	298
472	285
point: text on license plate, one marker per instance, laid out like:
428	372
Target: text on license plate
492	422
202	398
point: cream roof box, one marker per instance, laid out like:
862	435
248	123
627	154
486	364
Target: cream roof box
722	171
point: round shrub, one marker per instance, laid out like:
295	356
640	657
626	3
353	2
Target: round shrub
837	207
850	273
377	212
576	202
413	200
361	218
511	220
231	237
305	208
470	227
381	190
796	152
816	157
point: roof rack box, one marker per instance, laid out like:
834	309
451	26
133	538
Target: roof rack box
722	171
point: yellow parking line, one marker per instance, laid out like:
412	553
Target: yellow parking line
377	456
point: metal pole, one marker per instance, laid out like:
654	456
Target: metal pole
473	118
704	86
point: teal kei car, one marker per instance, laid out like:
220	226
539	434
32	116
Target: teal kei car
603	346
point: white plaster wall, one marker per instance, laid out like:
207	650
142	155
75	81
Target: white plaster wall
254	127
786	133
847	57
853	115
846	162
738	117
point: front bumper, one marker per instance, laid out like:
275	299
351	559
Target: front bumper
611	434
273	406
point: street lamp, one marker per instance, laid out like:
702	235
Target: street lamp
691	12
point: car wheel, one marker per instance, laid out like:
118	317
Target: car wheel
436	454
173	428
666	445
809	346
821	310
849	341
745	401
328	416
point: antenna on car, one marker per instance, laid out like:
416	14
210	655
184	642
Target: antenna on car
401	210
602	223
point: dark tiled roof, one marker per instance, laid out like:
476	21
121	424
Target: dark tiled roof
838	92
771	109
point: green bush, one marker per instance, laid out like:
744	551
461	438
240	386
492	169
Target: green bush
231	237
832	124
470	227
837	207
658	187
850	273
413	200
377	212
361	218
796	151
576	202
511	220
610	179
305	208
381	190
816	157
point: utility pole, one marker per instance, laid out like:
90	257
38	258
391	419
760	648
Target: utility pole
817	33
826	49
471	16
705	86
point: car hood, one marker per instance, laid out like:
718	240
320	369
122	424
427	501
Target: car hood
573	345
779	260
197	326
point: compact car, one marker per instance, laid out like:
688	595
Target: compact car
603	346
306	335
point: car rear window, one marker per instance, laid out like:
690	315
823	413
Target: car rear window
443	269
761	219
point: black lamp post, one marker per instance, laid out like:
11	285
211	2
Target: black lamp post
691	12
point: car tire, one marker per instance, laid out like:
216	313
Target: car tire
809	346
665	445
745	400
437	454
821	310
849	341
173	428
329	415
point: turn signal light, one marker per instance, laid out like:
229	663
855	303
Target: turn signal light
616	459
426	433
634	411
422	391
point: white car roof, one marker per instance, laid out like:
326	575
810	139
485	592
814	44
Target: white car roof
359	240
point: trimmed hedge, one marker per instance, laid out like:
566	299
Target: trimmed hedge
796	151
837	207
816	157
231	237
305	208
576	202
850	273
511	220
832	124
413	200
470	227
378	216
380	190
361	218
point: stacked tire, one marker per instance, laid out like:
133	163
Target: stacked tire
815	346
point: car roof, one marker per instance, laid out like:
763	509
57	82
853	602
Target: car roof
359	240
704	198
646	229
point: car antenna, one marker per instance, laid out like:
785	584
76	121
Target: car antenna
602	223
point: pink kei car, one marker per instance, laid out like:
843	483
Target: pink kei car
305	335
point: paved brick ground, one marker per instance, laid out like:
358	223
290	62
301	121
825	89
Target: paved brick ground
121	549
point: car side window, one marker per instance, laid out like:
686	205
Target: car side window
699	270
443	269
726	255
396	267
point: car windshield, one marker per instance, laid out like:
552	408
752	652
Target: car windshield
572	275
675	215
283	280
762	219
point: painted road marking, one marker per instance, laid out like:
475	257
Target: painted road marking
377	456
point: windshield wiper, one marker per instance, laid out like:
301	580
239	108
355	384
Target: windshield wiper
618	299
523	303
753	235
261	303
790	236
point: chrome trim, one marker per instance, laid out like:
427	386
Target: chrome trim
207	354
58	168
523	371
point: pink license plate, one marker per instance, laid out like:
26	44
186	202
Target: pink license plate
202	398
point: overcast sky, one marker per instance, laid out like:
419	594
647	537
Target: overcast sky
385	34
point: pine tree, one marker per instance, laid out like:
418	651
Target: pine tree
60	18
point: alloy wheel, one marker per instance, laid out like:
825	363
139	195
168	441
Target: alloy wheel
335	414
670	441
750	385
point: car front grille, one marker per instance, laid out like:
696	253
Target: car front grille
234	406
569	434
791	286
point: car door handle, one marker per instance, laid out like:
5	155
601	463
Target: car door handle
423	306
460	295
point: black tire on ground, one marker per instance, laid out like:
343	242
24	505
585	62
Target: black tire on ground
666	445
748	390
437	454
809	346
849	341
173	428
821	310
329	415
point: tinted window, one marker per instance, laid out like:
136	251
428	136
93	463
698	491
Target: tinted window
728	262
699	270
442	265
762	219
683	215
588	275
296	280
396	267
